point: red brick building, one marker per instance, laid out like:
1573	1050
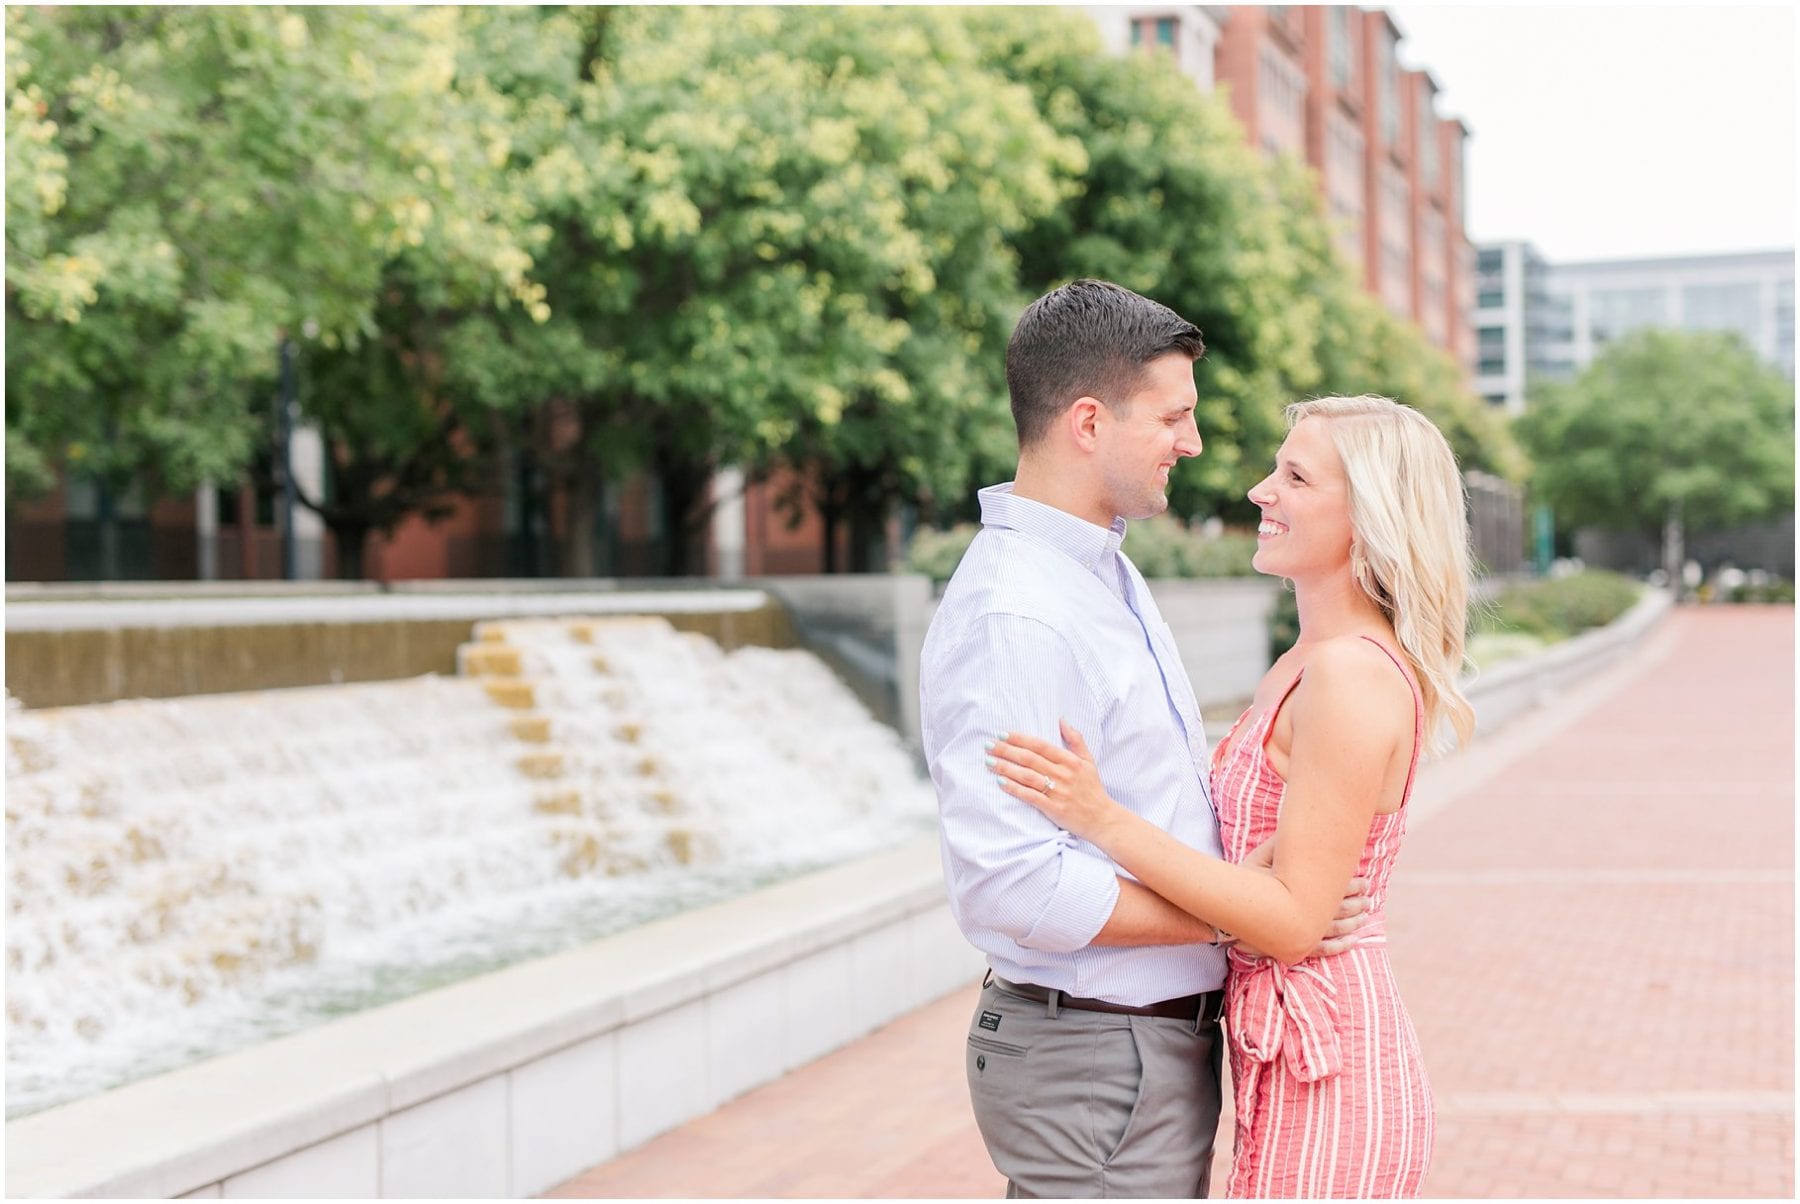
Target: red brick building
1324	83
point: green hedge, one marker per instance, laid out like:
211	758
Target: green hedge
1771	591
1561	607
1160	547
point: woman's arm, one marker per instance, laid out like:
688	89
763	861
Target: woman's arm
1350	715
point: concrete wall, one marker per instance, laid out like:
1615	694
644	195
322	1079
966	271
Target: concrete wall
1513	687
868	628
1222	631
70	651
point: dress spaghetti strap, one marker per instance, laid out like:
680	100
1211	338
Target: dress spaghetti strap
1418	717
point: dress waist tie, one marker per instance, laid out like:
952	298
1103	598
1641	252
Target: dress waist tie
1291	1011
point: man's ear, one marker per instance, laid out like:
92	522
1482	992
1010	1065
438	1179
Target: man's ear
1084	419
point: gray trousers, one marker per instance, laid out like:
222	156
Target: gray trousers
1092	1105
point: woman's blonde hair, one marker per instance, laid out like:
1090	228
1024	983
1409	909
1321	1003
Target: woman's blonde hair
1409	547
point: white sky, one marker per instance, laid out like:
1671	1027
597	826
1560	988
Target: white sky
1617	131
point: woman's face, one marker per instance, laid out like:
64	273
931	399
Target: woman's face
1305	503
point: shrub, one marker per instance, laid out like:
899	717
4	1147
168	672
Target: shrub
1160	547
1557	609
937	553
1163	547
1284	622
1768	591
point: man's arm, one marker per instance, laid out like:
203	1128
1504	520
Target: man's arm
1011	872
1143	917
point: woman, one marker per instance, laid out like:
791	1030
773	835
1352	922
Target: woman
1364	514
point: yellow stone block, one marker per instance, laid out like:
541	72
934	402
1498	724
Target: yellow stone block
488	660
531	729
542	764
512	693
563	802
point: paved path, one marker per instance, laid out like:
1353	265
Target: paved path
1593	925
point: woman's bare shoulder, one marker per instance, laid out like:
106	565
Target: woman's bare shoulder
1352	679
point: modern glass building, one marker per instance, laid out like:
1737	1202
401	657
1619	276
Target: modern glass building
1538	320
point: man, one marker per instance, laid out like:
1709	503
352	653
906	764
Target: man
1093	1055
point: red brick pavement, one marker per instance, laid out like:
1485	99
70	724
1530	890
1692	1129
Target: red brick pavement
1593	926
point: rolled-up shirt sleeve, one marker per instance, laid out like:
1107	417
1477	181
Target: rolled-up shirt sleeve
1012	871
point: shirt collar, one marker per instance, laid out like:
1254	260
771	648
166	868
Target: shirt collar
1088	545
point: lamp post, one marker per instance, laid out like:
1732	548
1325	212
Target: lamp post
284	428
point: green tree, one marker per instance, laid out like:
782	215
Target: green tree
196	182
1177	204
1174	204
1664	433
401	437
777	238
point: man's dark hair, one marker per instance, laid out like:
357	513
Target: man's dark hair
1088	338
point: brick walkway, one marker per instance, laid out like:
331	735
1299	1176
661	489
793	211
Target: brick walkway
1593	925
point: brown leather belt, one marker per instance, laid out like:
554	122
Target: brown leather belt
1204	1007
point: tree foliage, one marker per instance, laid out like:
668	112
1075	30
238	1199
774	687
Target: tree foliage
778	237
591	242
1665	432
1175	203
192	183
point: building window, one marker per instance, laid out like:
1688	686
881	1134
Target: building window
1346	155
1491	336
1489	259
1612	312
1723	307
1157	31
1283	88
1491	367
1428	148
1490	298
1338	32
1387	85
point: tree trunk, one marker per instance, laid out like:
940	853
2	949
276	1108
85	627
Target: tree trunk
868	538
828	520
682	486
352	541
581	514
107	523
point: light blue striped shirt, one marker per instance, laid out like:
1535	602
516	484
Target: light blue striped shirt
1045	618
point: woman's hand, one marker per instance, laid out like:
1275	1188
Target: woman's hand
1063	783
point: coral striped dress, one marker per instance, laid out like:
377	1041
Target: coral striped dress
1331	1093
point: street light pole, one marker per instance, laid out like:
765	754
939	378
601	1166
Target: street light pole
284	422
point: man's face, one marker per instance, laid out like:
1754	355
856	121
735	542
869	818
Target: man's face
1142	438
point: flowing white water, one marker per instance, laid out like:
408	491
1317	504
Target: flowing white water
186	876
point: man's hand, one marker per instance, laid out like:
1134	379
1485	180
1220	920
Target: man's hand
1340	934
